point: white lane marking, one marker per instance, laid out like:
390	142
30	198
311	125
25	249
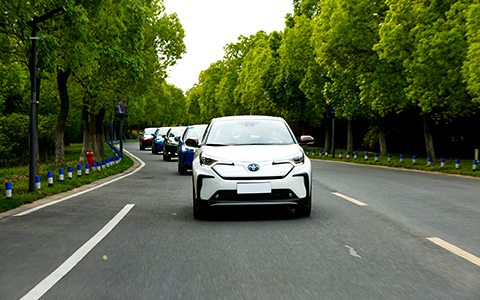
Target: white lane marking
455	250
46	284
350	199
352	251
142	164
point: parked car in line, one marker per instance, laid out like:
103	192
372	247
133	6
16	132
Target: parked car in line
251	160
170	143
145	138
185	153
157	141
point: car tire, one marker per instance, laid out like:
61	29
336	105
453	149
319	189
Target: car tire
142	147
166	157
182	170
303	211
198	213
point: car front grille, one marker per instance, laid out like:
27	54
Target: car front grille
276	194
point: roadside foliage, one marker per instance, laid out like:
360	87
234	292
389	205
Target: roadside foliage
398	76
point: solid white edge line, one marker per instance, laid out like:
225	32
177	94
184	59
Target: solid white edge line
40	289
455	250
142	164
350	199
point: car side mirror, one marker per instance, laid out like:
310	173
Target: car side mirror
192	142
177	138
306	140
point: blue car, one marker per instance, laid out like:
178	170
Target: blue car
157	141
185	153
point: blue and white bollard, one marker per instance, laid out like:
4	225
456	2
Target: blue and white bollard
414	159
60	175
313	152
348	154
50	178
37	182
87	169
429	161
366	155
79	170
326	153
8	190
474	165
457	164
340	154
103	164
442	163
117	160
389	158
70	172
319	152
308	152
98	166
355	155
401	158
376	157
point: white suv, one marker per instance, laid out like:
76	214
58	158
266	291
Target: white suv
251	160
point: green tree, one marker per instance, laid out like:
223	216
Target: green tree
428	40
471	66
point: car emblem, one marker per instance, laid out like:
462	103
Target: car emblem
253	167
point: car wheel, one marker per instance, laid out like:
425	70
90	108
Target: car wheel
166	157
142	147
182	170
198	213
303	211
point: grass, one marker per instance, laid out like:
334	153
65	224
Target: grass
19	177
421	163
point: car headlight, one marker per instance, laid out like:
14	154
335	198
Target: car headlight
208	161
296	160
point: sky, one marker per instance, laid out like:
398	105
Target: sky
211	24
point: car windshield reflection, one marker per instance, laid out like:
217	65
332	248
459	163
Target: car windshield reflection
241	133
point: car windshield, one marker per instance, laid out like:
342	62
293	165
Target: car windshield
249	132
162	130
196	132
177	131
149	131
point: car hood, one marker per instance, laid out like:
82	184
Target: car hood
243	156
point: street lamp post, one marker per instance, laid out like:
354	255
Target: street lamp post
33	103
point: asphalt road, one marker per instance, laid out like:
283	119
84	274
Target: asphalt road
135	238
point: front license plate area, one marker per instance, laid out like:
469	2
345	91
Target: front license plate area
254	188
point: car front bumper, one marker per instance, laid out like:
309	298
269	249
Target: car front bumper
291	190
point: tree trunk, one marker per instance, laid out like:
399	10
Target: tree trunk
62	78
428	137
100	137
350	137
86	134
328	135
382	136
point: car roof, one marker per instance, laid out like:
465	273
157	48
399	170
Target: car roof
246	117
